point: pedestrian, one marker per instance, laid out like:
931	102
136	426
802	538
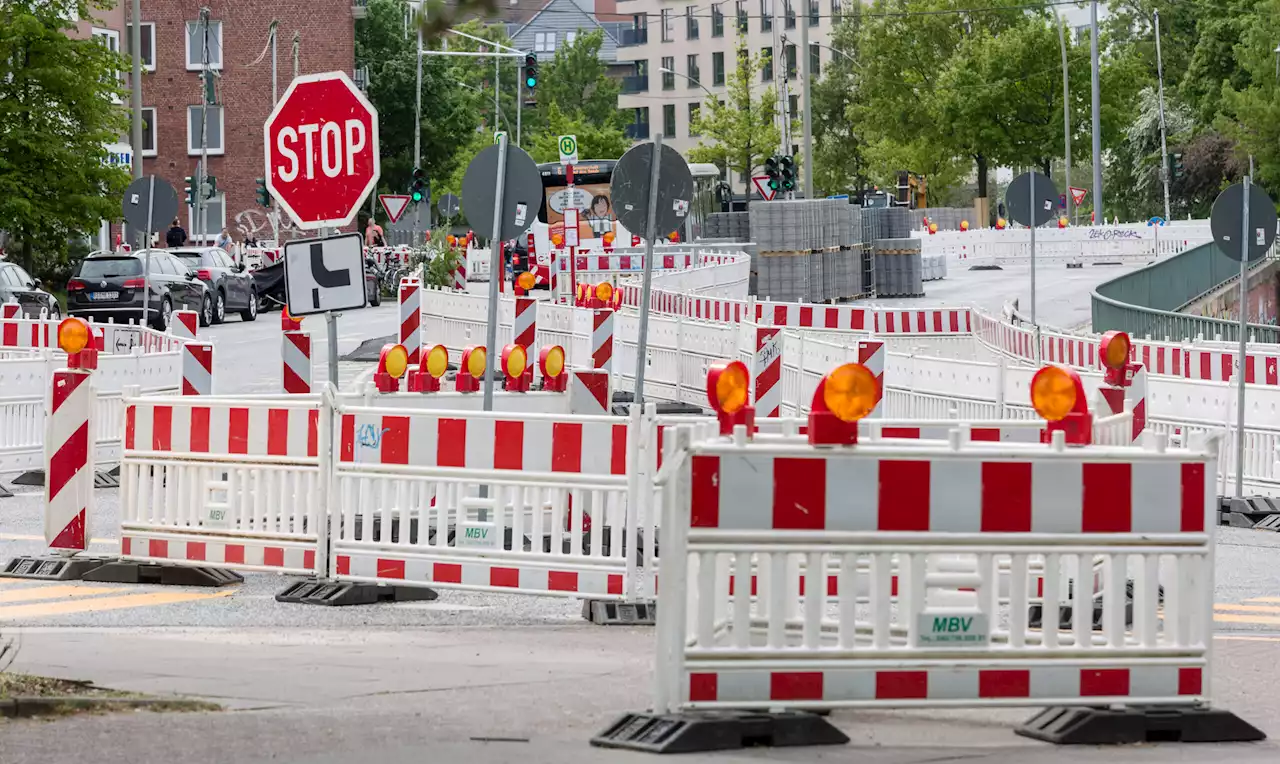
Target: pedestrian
224	241
373	235
176	236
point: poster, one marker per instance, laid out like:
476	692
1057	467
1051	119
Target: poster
593	202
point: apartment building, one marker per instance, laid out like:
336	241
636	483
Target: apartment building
682	53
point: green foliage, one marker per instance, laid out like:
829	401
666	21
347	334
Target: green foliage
577	83
56	118
596	140
444	259
840	164
740	133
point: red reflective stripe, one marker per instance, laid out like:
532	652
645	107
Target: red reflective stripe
277	432
705	504
238	431
451	443
395	440
508	445
904	495
566	447
799	493
199	431
161	428
1193	509
1108	498
1006	497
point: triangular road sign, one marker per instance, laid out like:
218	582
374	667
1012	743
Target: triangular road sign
1077	195
761	182
394	204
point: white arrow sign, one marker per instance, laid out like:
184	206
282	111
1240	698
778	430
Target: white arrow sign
394	204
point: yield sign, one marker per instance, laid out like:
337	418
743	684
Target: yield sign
761	182
394	204
1077	195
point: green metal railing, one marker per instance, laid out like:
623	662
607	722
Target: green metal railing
1144	302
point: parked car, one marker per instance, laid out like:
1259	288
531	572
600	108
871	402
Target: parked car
232	287
111	285
16	285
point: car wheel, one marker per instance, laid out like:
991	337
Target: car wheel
219	308
251	312
206	311
166	315
377	296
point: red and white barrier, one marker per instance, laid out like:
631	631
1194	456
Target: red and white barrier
295	352
768	372
174	426
184	324
410	295
602	340
590	392
197	368
871	353
460	274
69	439
525	327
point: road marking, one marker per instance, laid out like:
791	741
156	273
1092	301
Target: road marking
33	593
1263	599
98	604
1225	618
1244	638
1248	608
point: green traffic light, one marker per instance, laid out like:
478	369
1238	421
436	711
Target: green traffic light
773	184
417	196
531	82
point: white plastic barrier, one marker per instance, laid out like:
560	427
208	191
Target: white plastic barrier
1130	242
926	510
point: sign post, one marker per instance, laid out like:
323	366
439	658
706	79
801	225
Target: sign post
1031	198
146	200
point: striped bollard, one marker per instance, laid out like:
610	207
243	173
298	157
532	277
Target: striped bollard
525	331
768	372
460	274
411	318
295	351
68	461
197	368
184	324
602	340
11	310
871	355
1131	397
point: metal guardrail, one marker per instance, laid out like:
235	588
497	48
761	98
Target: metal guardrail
1144	302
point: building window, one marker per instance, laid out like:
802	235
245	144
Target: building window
717	20
214	125
215	219
642	68
148	131
815	61
835	10
790	11
695	76
195	45
110	39
691	22
793	105
814	12
570	36
669	119
766	15
668	30
717	68
790	59
148	44
695	109
741	7
668	72
766	64
544	42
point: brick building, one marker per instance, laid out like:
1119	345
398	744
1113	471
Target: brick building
172	94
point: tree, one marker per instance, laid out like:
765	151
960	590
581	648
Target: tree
839	158
598	140
577	83
56	118
739	134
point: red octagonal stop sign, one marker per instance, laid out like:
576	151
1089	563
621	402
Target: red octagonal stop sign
321	147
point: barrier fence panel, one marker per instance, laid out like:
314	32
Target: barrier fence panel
225	483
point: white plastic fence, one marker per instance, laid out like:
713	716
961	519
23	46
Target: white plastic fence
1127	243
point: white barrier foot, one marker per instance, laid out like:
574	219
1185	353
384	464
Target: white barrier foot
699	731
611	613
53	567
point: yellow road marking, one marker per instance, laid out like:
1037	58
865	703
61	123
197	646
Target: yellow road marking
1249	608
1263	599
1224	618
44	592
97	604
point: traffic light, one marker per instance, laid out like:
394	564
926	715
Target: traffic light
264	196
773	168
530	71
190	190
210	187
418	188
787	173
1176	168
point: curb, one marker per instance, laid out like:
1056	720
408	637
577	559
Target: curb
25	707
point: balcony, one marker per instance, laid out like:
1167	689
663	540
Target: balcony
359	9
637	131
634	37
638	83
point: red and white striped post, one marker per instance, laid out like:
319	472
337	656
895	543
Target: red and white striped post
589	392
197	368
411	318
602	340
68	442
295	351
184	324
460	272
768	371
525	326
11	310
871	354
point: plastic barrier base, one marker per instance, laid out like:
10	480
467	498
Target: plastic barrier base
314	591
1118	726
52	567
699	731
129	572
1248	511
985	268
609	613
108	479
5	493
1075	265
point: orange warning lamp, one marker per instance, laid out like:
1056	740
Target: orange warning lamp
393	362
557	240
604	292
1001	224
609	237
451	240
287	322
1057	394
580	295
728	391
964	225
933	228
616	302
1115	349
845	395
426	378
471	369
526	280
73	339
1062	221
515	361
551	364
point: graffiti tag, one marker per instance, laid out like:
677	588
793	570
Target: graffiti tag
370	436
1108	234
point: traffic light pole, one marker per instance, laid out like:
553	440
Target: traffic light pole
1164	146
417	133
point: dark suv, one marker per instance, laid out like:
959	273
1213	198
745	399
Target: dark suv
110	285
232	288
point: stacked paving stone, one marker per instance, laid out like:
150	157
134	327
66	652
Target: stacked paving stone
899	270
808	249
734	226
947	218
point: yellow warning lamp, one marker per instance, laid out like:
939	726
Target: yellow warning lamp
728	391
551	363
1057	394
74	338
426	378
1062	221
1001	224
515	360
451	240
393	362
964	225
526	280
471	369
933	228
1115	349
609	237
604	292
845	395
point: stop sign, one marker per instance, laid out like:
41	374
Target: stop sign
321	148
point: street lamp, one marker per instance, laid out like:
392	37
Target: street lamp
838	52
665	70
469	86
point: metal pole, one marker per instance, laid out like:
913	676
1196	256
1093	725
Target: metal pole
1244	325
275	90
806	118
1097	115
1164	147
1066	115
519	102
651	233
146	257
497	107
417	130
1032	226
135	97
331	328
497	270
